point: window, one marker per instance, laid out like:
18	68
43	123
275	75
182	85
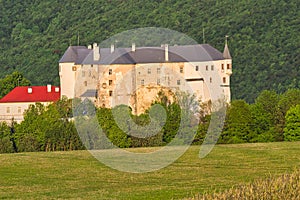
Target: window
7	109
110	82
149	71
210	80
110	93
85	83
206	67
158	81
19	109
83	73
90	73
74	68
110	72
178	82
92	65
222	67
158	70
197	68
142	82
224	79
181	70
228	66
212	68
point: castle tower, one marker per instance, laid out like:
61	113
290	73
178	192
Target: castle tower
227	68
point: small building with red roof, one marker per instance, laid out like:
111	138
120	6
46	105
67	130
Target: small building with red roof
13	105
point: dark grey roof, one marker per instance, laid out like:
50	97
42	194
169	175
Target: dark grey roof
187	53
226	53
74	53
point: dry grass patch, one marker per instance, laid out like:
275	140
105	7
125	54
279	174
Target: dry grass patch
286	186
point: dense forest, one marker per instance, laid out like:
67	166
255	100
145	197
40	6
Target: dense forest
66	125
263	35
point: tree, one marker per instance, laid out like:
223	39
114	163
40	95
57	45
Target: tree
287	100
11	81
6	143
292	126
237	127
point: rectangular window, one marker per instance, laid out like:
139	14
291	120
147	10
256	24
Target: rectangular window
178	82
110	82
110	72
212	68
224	79
210	80
19	110
85	83
197	68
228	66
158	70
149	71
110	93
206	67
7	109
142	82
222	67
158	81
83	73
181	70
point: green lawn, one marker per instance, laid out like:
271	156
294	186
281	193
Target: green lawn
78	175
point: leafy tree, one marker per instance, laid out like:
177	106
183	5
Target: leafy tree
6	144
262	126
292	127
237	128
11	81
287	100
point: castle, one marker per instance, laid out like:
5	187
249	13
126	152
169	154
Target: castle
134	76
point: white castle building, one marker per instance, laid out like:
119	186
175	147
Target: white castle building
134	76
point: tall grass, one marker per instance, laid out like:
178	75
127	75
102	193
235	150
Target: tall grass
286	186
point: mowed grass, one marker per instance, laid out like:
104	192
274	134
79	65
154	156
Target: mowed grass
77	175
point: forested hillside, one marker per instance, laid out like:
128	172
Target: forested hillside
264	35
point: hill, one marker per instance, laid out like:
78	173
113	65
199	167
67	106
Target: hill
264	35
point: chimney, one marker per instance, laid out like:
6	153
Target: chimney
89	46
56	89
133	47
49	88
166	52
112	48
29	90
96	51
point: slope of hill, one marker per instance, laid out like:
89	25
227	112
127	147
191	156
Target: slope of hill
264	35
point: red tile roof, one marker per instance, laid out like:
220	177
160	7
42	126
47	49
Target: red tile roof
38	94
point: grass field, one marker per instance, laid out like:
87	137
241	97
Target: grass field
76	174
